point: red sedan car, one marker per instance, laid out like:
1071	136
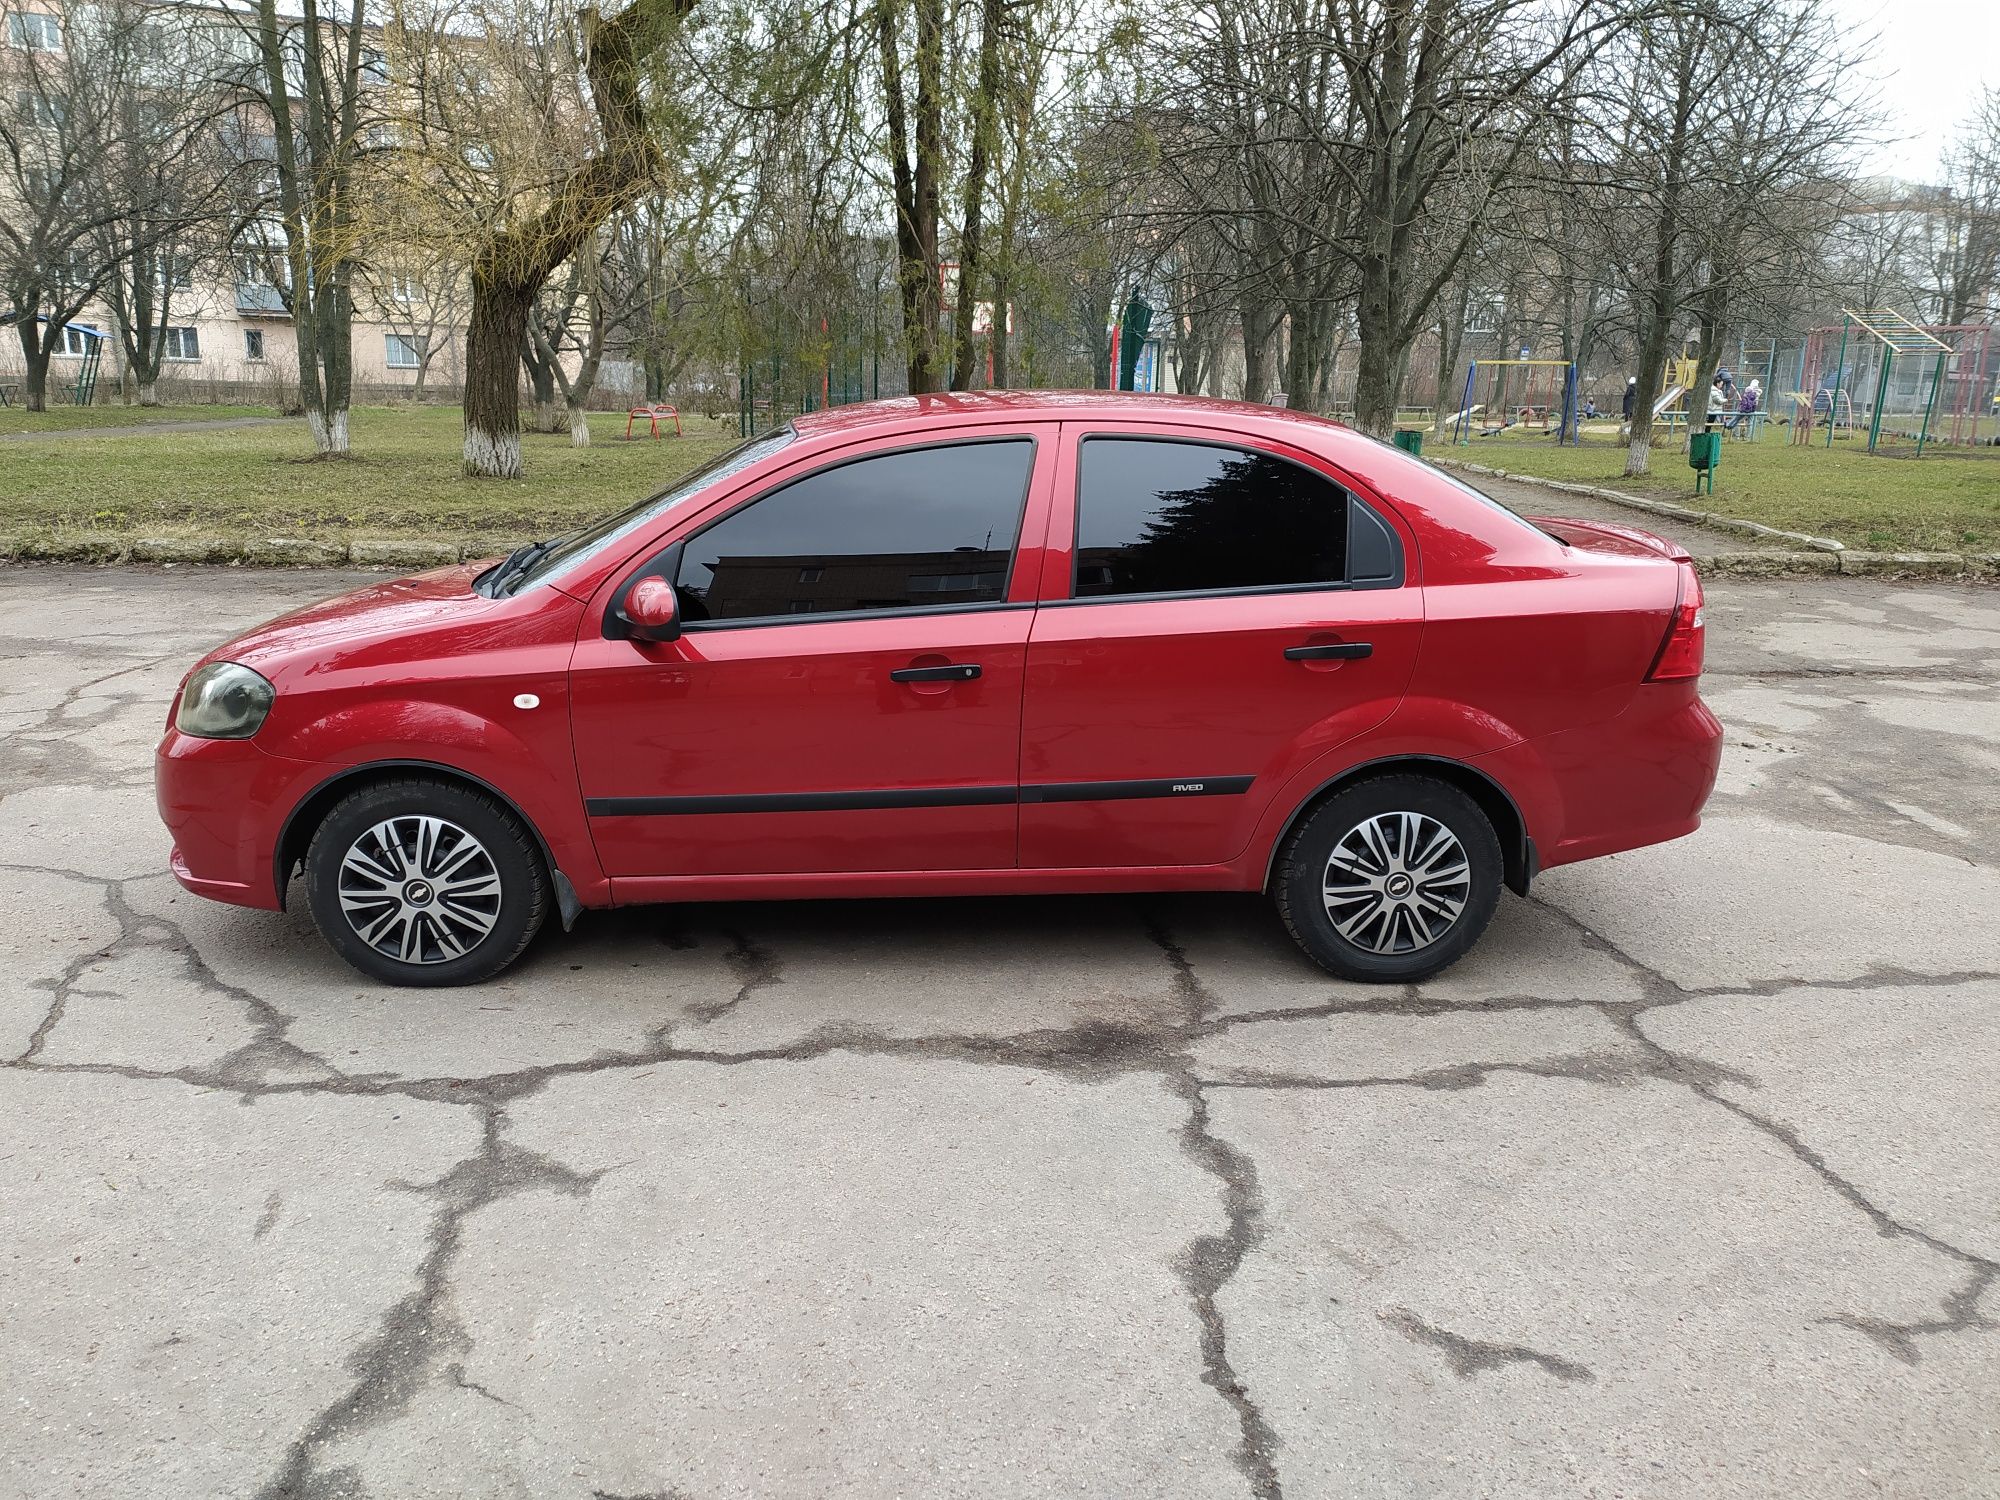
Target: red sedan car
980	644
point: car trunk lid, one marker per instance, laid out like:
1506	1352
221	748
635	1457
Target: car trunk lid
1609	538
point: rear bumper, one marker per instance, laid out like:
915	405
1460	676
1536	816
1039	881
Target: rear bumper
1641	778
224	802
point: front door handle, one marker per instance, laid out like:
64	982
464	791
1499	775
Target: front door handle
955	672
1339	651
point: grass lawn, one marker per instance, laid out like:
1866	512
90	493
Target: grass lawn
403	479
1946	501
69	418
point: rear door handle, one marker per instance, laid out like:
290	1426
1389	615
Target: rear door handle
1342	651
956	672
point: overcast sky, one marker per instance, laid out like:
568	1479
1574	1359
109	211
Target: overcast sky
1929	61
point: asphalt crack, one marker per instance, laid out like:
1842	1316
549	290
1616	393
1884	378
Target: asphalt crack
419	1335
1960	1312
1469	1357
1211	1261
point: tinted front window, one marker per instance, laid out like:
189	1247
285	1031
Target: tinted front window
1165	517
926	527
587	541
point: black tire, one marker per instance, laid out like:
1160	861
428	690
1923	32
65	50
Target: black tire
445	921
1300	884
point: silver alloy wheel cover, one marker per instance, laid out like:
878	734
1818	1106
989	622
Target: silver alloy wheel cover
419	889
1397	883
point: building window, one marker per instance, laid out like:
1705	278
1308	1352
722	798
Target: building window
182	344
36	32
253	345
42	109
402	353
175	271
77	340
404	290
374	65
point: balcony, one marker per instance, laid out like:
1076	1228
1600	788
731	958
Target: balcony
260	300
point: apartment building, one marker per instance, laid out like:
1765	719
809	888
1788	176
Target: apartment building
229	331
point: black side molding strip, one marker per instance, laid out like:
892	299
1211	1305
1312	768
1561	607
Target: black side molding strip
1120	791
767	802
941	796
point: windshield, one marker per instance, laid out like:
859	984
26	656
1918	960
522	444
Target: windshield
587	541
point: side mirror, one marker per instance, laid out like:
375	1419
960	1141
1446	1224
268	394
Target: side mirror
651	611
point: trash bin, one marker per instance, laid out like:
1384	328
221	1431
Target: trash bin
1410	440
1704	456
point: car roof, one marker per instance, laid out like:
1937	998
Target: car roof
973	407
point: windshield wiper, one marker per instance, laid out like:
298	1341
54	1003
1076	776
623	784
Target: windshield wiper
515	564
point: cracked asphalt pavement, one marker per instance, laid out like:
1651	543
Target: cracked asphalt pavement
1685	1183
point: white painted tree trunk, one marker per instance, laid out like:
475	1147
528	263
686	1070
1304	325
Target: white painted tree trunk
491	456
579	427
1639	455
149	393
329	432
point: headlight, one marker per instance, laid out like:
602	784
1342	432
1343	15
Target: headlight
224	701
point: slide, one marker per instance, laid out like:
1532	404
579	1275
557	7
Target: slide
1673	394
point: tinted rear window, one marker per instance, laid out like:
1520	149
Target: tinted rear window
1171	517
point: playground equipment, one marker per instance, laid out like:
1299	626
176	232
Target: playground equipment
1972	379
1865	365
83	389
1555	411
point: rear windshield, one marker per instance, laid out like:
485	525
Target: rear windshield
1465	487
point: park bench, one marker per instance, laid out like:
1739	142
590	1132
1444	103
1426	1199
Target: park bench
654	415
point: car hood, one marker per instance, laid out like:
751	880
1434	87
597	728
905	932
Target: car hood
398	608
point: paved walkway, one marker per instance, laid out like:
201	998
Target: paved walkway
145	429
1533	500
1680	1186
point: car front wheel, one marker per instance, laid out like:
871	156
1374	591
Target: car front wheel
425	882
1390	880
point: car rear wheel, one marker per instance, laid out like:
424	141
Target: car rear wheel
1390	880
424	882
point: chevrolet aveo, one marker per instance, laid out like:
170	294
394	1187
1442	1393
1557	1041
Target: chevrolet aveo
975	644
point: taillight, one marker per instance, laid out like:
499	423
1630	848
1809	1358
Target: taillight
1680	652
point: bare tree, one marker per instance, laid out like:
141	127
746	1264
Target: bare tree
311	84
98	127
512	263
1965	249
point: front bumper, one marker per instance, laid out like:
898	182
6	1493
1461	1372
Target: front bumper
225	802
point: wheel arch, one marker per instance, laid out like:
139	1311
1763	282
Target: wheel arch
1517	848
304	820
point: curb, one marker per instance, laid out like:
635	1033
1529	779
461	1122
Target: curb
1656	507
381	555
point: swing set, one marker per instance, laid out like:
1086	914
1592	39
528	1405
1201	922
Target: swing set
1547	400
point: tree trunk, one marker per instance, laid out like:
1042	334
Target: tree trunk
493	377
149	391
1658	332
579	427
1260	326
329	432
510	268
1375	374
985	126
35	352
